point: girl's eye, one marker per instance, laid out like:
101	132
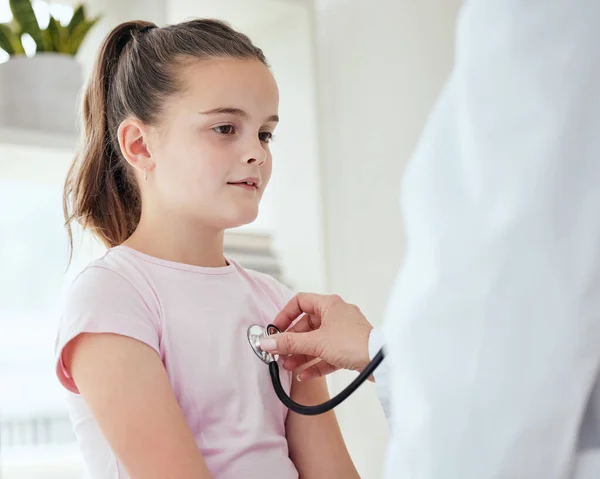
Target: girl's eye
265	136
225	130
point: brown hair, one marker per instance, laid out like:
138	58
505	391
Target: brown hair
134	74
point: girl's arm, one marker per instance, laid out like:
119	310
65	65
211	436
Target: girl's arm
125	385
315	442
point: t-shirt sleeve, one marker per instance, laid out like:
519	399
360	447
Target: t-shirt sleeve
101	300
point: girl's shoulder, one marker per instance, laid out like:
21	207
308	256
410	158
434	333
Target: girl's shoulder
107	297
109	285
114	267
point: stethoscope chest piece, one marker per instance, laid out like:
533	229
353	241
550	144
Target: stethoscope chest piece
255	334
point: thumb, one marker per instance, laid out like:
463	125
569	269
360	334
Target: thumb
292	343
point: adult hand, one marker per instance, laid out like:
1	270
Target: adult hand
331	332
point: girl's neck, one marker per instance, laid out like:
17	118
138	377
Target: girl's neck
179	242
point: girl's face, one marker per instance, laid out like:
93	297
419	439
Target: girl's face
210	158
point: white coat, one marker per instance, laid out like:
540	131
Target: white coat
493	328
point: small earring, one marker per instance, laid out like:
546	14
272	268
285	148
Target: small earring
145	175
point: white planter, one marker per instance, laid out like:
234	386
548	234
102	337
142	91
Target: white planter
41	93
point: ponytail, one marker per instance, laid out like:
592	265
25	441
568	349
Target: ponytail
134	74
100	192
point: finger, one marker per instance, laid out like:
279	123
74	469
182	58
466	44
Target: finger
309	303
316	371
305	324
293	343
296	361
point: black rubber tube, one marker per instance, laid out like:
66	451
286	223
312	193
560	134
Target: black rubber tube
334	401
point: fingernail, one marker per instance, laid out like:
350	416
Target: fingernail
268	344
298	378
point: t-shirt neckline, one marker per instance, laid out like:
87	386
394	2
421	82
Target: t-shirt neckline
176	265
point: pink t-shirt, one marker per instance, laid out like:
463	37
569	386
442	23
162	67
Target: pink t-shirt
196	319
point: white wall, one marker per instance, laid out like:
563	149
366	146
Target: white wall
381	65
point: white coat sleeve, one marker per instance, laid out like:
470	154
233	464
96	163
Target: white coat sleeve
494	323
382	373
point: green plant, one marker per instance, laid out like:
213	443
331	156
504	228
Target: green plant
56	37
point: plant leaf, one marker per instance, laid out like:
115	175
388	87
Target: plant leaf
10	42
47	40
5	41
54	31
25	17
76	19
80	32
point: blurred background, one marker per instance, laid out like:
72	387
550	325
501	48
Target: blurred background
357	80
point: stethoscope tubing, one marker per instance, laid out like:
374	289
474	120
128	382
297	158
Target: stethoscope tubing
334	401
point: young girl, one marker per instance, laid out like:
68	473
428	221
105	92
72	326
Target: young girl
152	342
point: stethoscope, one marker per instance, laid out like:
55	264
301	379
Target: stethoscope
257	332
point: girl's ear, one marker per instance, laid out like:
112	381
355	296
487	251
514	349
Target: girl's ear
133	141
